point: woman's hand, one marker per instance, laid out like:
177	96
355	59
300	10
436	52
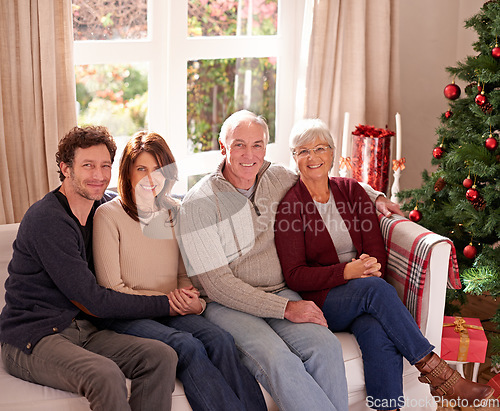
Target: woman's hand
192	288
185	301
363	267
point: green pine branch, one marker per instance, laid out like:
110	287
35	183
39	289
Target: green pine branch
494	343
479	280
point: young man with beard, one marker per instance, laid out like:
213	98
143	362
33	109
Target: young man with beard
52	297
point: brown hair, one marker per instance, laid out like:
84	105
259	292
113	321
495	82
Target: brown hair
82	137
154	144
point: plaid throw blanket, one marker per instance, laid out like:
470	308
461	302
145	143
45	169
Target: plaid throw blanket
408	246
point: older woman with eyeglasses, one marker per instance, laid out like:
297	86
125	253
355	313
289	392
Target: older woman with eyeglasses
332	252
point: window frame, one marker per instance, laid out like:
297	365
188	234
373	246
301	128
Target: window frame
167	51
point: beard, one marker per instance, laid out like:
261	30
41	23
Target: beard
82	190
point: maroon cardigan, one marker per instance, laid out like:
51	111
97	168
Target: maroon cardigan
307	254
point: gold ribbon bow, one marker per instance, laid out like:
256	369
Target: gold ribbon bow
345	163
399	164
461	327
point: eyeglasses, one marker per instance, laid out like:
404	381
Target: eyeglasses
304	152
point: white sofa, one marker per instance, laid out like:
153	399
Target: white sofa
16	394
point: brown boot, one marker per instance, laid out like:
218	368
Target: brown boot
448	383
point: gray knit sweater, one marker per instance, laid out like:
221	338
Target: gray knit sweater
228	241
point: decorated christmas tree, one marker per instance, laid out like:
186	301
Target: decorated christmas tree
461	199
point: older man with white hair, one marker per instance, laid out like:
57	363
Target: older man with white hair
227	236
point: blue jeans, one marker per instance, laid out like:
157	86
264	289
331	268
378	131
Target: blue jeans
300	365
209	366
385	330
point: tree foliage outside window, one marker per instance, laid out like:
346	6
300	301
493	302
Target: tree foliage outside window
116	95
109	19
217	88
226	18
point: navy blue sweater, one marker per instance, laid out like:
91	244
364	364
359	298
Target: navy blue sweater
50	282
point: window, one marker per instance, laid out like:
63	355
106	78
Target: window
180	67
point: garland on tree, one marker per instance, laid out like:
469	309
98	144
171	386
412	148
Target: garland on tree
461	199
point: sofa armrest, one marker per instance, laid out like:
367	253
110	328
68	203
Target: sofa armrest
8	233
434	296
420	265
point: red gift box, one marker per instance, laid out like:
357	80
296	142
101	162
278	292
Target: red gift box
495	383
371	156
463	340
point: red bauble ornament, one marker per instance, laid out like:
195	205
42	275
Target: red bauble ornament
491	143
448	114
470	251
415	215
480	99
472	194
452	91
438	152
467	183
495	52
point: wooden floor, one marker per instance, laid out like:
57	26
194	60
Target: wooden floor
482	307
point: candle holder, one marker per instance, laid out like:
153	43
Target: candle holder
371	156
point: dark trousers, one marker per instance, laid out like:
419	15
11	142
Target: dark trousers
94	363
209	366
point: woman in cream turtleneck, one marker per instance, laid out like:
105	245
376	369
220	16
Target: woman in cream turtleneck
136	252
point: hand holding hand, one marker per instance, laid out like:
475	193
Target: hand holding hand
387	207
363	267
185	301
192	288
304	312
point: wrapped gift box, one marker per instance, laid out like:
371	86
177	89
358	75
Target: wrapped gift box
495	383
463	340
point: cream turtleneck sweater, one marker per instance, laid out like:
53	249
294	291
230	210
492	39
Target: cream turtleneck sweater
128	261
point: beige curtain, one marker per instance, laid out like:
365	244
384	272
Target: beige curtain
37	99
353	64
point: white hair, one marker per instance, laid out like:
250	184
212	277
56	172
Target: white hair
307	130
242	117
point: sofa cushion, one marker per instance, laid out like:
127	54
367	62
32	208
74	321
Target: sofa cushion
8	234
353	362
16	394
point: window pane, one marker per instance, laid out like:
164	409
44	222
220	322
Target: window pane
217	88
109	20
115	96
231	17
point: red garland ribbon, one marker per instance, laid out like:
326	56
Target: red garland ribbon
399	164
345	163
